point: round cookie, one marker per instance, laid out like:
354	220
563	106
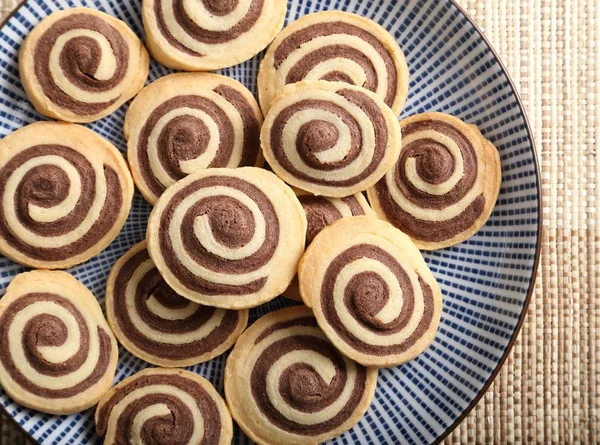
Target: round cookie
156	324
228	238
286	383
330	138
445	184
58	354
80	65
66	193
335	46
371	291
207	35
164	406
321	211
186	122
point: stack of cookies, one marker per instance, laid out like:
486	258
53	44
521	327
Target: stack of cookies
251	200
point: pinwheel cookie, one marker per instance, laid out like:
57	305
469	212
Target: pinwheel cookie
330	138
206	35
335	46
229	238
186	122
287	384
66	194
445	184
155	323
371	291
58	354
79	65
159	406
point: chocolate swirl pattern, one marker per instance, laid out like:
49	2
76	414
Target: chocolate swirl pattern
445	184
321	211
80	65
156	324
186	122
164	406
57	353
335	46
330	138
371	291
65	191
286	383
229	238
205	35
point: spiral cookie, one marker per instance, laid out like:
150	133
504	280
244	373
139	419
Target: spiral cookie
445	184
371	291
205	35
330	138
159	326
183	123
321	211
287	384
57	352
80	65
65	191
335	46
228	238
164	406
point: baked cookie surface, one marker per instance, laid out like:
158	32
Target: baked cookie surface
58	353
79	65
287	384
330	138
335	46
207	35
156	324
66	193
445	184
371	291
164	406
185	122
228	238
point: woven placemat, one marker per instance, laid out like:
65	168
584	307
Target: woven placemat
547	392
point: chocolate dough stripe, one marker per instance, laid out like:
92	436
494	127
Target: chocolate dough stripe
302	397
433	164
180	418
215	210
34	336
362	306
298	38
153	284
199	34
79	60
27	193
172	147
354	205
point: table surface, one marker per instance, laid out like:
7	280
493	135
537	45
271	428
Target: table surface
547	392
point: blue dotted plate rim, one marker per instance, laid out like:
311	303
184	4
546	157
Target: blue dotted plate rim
538	249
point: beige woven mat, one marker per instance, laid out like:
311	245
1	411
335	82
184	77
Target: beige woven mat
548	390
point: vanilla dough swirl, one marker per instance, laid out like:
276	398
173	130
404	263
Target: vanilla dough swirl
371	291
445	184
335	46
205	35
286	383
185	122
79	65
57	353
65	192
330	138
228	238
164	407
156	324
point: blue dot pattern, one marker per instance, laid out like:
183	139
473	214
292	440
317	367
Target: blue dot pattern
484	280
